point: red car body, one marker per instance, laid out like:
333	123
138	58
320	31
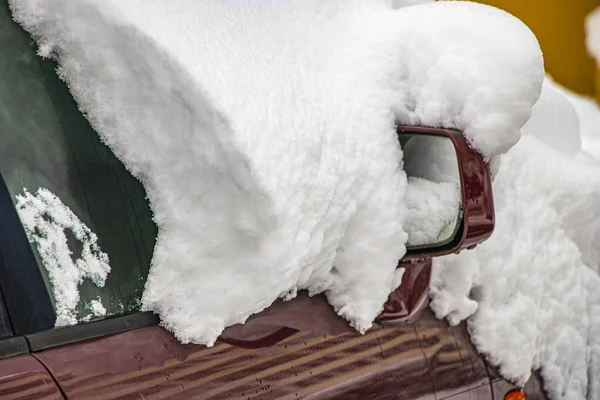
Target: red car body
424	360
296	349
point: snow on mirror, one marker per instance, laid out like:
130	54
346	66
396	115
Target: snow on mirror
433	195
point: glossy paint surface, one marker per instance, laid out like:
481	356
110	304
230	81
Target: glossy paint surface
425	360
24	378
406	304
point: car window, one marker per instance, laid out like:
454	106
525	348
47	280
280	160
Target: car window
47	144
5	327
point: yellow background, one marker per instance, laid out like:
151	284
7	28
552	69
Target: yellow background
559	26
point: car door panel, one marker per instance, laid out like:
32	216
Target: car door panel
454	364
479	393
24	378
149	362
385	363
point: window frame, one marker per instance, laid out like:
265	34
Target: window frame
61	336
23	291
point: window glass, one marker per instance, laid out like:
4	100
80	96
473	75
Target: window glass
5	328
46	143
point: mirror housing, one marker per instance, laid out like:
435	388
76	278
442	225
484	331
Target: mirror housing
407	303
478	217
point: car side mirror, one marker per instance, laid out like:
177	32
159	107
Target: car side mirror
449	193
435	155
450	208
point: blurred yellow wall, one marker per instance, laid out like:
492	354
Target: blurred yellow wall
559	26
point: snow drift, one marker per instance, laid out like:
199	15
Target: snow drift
531	291
264	133
592	37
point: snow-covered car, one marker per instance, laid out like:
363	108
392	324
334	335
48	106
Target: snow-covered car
66	336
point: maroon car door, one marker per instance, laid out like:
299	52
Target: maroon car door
295	349
411	362
23	378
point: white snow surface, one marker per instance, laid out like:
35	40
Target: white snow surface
592	34
263	132
95	309
555	120
530	292
588	113
45	219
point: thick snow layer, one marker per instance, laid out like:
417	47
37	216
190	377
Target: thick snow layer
592	37
589	122
263	132
46	219
555	120
587	110
531	291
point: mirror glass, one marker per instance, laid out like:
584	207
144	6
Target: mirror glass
433	195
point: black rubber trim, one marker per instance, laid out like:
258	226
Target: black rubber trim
92	330
14	346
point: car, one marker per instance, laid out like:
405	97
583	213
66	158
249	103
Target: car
294	349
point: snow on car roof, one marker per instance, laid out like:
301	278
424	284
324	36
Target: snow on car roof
264	133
